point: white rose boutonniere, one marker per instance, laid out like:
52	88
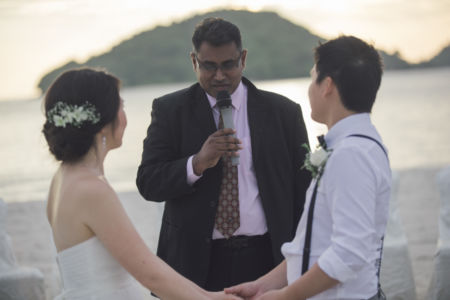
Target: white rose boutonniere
315	161
318	157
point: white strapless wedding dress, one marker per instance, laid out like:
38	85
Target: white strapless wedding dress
88	271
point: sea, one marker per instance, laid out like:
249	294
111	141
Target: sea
412	114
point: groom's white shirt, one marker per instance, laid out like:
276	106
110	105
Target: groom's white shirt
350	213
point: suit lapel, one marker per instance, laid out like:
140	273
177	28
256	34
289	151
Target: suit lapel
203	122
257	118
202	113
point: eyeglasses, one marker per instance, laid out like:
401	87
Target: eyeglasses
226	66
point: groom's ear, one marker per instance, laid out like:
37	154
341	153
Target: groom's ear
328	86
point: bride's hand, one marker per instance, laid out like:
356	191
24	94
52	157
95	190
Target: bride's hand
272	295
223	296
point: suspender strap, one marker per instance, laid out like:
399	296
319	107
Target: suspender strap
380	293
370	138
307	244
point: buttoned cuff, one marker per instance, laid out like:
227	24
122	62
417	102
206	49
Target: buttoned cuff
191	177
334	266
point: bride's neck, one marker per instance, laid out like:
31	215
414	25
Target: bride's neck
92	162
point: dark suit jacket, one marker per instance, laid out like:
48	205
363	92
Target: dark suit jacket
181	123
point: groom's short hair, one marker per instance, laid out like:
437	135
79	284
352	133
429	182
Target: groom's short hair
354	66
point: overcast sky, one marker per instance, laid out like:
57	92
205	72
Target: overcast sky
38	35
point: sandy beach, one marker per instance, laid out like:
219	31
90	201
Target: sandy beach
418	202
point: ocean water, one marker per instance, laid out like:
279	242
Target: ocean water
412	113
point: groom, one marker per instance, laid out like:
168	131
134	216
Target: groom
346	207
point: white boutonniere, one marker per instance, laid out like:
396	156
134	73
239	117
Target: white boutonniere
315	161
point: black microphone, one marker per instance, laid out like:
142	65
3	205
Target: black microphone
226	111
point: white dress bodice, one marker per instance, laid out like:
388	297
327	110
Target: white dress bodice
88	271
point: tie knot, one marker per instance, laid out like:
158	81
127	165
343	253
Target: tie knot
322	143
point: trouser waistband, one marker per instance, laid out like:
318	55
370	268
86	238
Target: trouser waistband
241	241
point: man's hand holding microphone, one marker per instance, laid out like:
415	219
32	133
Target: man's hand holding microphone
223	142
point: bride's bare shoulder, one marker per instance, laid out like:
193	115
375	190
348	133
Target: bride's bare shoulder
91	187
80	187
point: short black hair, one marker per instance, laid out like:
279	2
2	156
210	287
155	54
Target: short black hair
355	67
217	32
76	87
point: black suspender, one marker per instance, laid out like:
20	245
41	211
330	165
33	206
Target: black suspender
307	245
370	138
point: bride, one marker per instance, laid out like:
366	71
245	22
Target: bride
99	250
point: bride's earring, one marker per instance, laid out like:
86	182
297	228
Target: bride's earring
104	142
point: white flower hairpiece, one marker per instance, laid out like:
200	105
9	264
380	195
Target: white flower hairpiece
62	114
315	161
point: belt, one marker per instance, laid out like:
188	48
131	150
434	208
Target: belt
242	241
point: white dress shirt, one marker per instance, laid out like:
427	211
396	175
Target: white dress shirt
350	213
252	218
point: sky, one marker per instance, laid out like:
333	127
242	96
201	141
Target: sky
38	35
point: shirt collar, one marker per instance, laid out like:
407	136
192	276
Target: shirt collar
237	97
347	126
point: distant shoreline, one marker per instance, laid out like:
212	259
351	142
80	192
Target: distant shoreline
186	83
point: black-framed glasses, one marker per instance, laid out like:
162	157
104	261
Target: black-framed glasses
226	66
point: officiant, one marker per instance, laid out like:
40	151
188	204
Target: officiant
224	224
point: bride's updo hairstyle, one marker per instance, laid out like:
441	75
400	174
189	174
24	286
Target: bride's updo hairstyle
78	104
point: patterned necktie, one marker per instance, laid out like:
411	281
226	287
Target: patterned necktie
227	216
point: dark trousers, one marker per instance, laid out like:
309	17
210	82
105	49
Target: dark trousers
239	259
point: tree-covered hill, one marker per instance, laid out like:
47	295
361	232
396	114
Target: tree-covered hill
277	48
441	59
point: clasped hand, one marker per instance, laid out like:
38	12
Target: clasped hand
254	291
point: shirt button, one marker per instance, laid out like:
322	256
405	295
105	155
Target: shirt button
207	240
212	203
